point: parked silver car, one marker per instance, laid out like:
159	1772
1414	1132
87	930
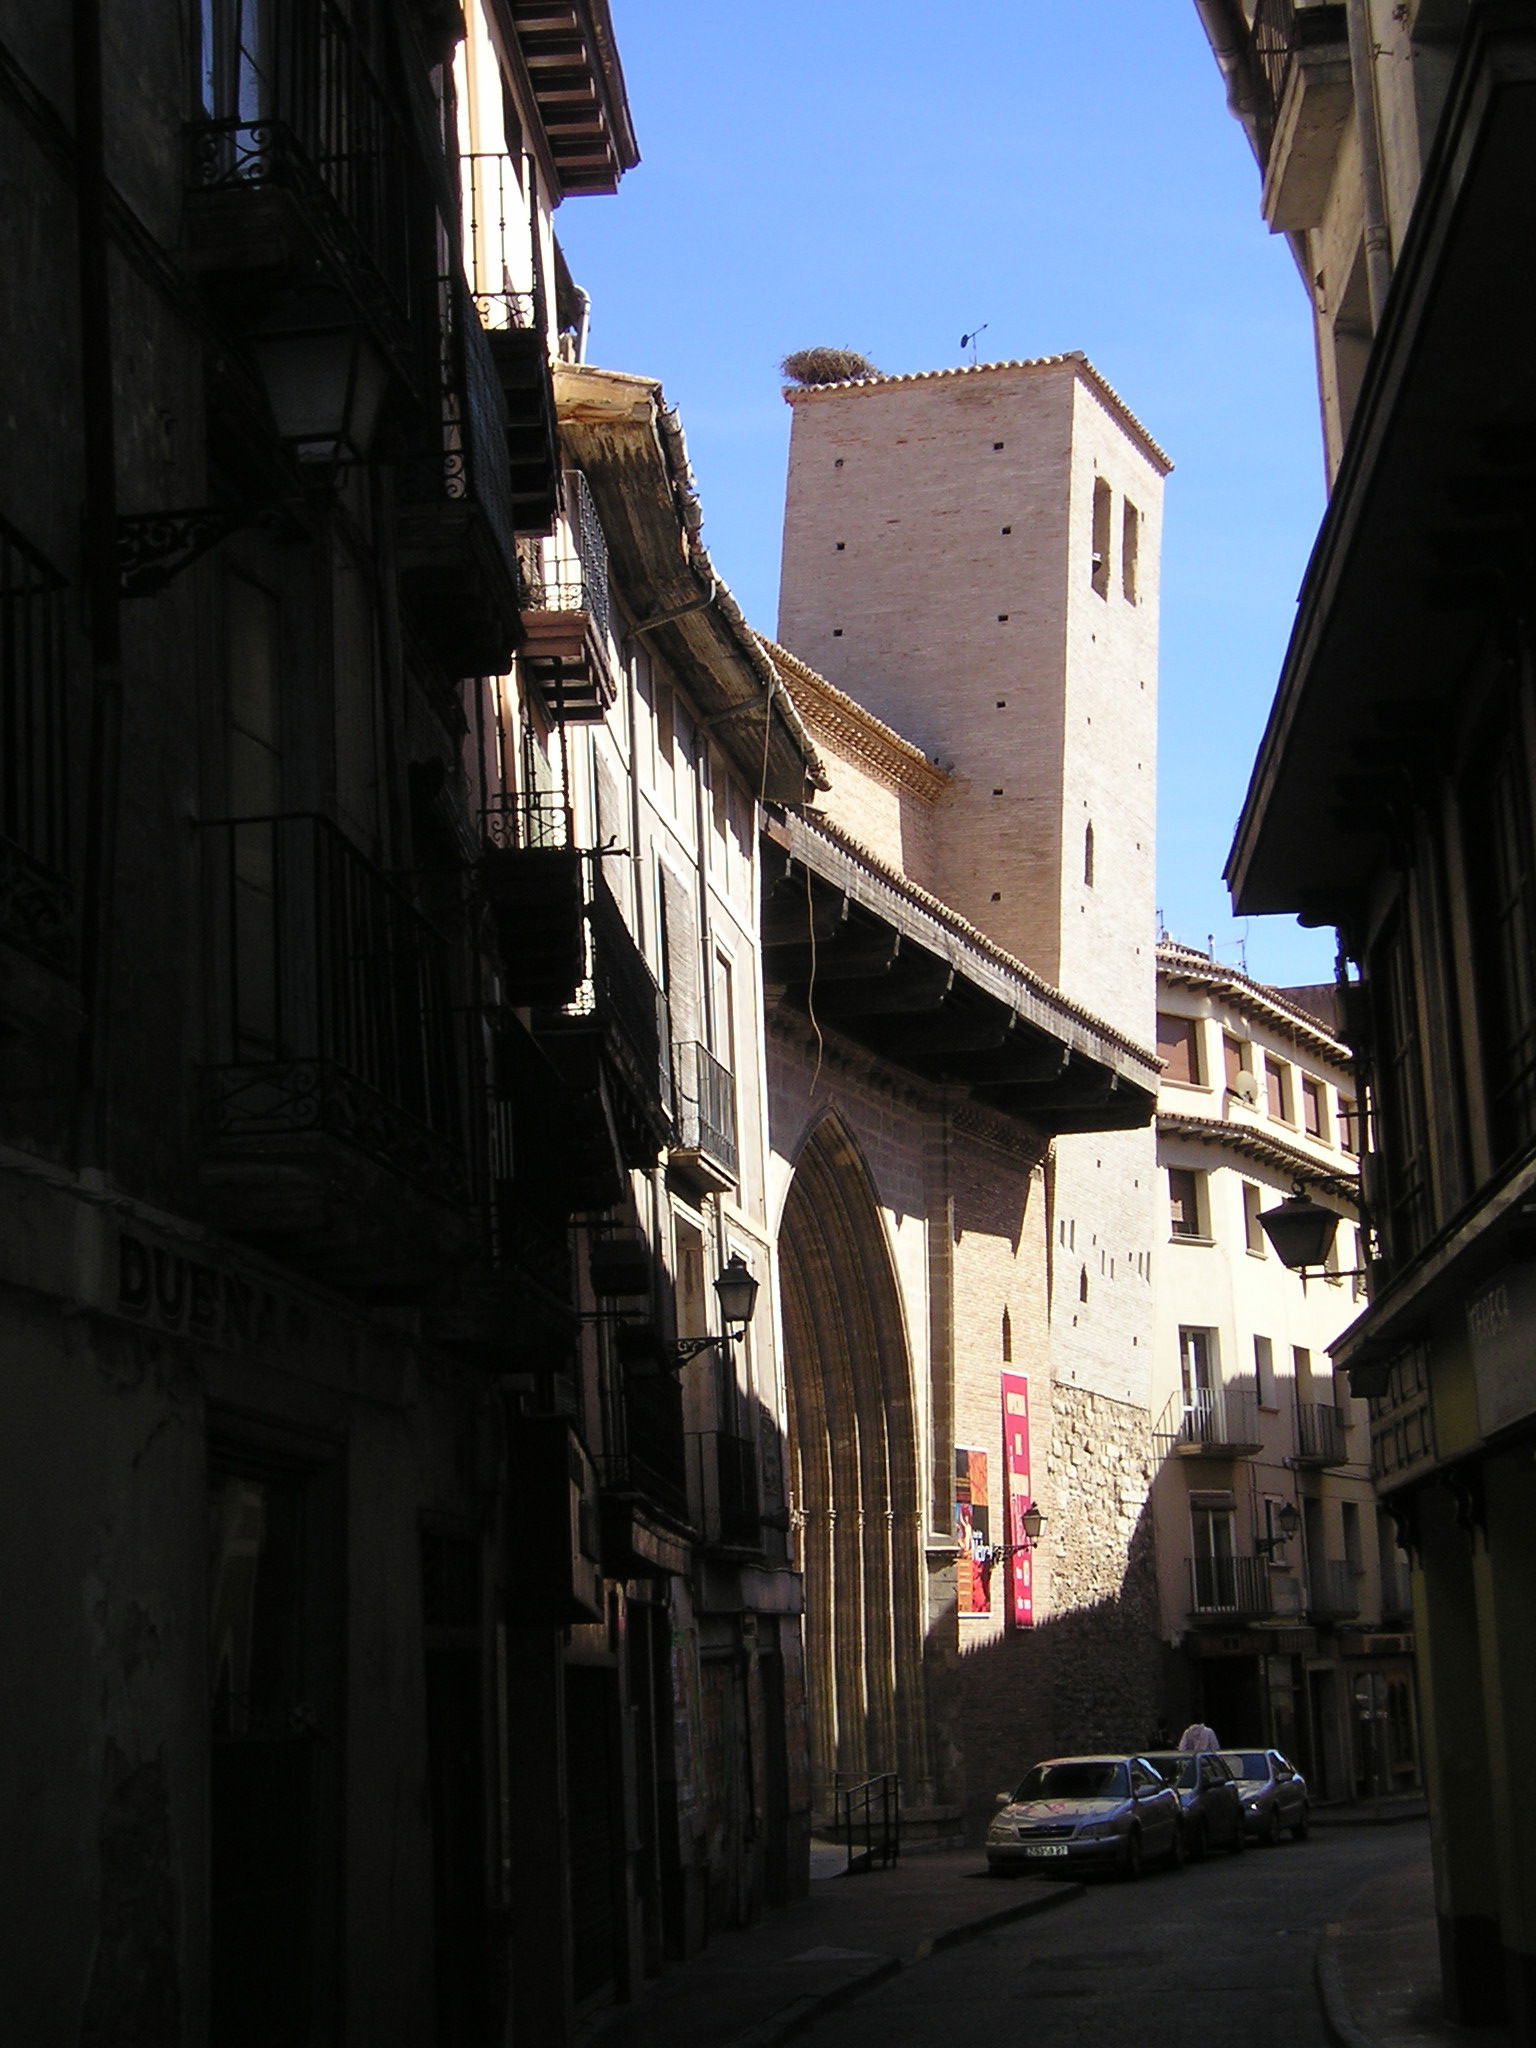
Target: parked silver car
1086	1813
1209	1796
1274	1794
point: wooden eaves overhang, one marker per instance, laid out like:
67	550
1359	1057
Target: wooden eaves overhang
564	55
1427	538
1263	1150
868	954
618	431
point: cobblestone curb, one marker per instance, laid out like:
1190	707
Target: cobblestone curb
1339	2021
795	2018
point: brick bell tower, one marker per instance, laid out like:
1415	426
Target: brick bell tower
973	554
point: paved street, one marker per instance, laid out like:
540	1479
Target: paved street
1220	1955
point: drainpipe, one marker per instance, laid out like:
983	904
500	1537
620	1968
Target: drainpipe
99	570
1232	45
1377	236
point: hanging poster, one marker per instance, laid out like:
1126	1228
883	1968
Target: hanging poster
1021	1590
973	1533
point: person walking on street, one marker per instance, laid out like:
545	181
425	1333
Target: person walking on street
1198	1737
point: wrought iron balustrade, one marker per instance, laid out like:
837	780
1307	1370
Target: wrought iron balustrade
646	1454
330	1002
36	898
296	103
500	242
1320	1434
1236	1586
705	1104
622	996
570	573
462	457
529	820
1281	28
1214	1420
1335	1589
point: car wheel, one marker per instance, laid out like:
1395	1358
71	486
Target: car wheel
1269	1833
1132	1863
1303	1826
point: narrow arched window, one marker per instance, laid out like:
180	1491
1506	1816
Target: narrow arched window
1088	855
1007	1338
1082	1285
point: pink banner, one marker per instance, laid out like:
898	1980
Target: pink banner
1021	1592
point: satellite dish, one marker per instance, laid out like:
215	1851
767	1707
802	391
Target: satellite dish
1245	1086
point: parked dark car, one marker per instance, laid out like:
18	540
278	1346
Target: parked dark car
1086	1813
1209	1797
1274	1794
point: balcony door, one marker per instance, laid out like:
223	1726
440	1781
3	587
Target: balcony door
235	56
1197	1376
1211	1548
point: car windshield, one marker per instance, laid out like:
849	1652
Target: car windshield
1076	1781
1249	1763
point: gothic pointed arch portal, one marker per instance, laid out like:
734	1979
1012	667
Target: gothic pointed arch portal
855	1478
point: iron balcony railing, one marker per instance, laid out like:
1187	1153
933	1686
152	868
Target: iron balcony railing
646	1453
1215	1420
1320	1434
294	101
36	899
500	242
1335	1589
330	1009
1281	28
727	1489
622	994
570	573
1237	1586
705	1105
462	457
533	820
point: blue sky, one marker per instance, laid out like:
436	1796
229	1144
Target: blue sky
886	175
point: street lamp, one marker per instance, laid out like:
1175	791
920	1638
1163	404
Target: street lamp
1031	1522
1302	1232
325	385
1287	1522
324	381
736	1288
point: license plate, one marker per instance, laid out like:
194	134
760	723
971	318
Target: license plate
1046	1849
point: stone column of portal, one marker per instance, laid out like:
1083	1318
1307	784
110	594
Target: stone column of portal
1446	1626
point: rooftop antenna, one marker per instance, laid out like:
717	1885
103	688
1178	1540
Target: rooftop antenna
969	340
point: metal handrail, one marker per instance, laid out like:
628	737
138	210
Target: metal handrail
1320	1433
1209	1419
1281	27
496	209
871	1813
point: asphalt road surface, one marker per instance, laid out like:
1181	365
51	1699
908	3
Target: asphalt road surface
1216	1956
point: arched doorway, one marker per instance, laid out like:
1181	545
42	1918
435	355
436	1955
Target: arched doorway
855	1482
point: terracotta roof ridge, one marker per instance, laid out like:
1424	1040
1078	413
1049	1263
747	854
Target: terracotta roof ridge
1188	960
870	734
798	394
1257	1143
